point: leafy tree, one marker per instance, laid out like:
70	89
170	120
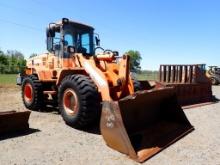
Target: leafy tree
3	62
12	61
3	58
135	60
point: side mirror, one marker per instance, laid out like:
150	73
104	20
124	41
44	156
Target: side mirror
50	32
49	44
97	41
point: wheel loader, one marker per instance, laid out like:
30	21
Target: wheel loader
90	84
213	73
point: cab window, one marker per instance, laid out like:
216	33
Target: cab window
85	42
56	44
56	40
68	40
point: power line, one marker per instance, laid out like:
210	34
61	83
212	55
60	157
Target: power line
4	5
22	25
16	8
15	23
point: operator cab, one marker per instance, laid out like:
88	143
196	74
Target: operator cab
66	37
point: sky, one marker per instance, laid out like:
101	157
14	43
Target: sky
163	31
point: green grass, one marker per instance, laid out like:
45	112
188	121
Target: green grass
8	79
148	76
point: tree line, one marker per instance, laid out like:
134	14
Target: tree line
11	62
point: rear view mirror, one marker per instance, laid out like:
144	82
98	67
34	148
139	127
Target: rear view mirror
50	32
97	41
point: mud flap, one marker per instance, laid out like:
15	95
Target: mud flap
12	121
143	124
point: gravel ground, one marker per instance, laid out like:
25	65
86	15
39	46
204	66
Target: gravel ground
53	142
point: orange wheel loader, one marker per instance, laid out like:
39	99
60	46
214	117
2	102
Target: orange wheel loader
88	84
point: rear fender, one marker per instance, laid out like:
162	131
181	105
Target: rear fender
42	75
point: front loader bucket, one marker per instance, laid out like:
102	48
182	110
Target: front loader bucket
143	124
12	121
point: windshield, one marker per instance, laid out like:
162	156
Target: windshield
81	40
85	42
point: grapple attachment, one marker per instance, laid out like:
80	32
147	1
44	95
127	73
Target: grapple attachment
12	121
143	124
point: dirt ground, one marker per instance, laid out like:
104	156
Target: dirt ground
52	142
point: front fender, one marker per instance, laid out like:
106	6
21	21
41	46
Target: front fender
63	73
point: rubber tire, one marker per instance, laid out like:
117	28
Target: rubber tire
37	101
137	85
214	81
88	97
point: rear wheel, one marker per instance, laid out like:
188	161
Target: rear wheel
79	101
32	94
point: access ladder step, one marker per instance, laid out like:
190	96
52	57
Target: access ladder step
50	92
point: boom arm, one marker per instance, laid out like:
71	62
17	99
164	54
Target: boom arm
102	78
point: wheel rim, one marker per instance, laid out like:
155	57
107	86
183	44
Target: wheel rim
28	93
70	102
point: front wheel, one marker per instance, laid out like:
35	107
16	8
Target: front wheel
79	101
32	94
